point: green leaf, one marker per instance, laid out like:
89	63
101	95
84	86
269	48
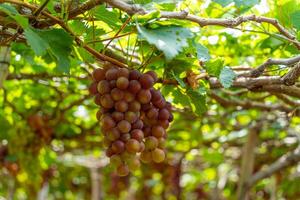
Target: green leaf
284	9
170	40
202	53
272	43
180	64
109	17
13	13
60	43
180	98
295	19
8	9
38	44
178	79
227	76
223	2
245	3
197	101
214	67
56	42
147	17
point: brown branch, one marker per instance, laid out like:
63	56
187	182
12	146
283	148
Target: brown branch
39	76
246	104
291	77
283	89
271	61
287	100
282	163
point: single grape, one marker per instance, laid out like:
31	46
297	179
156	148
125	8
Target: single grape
125	137
121	106
146	157
151	143
153	75
123	72
111	74
134	86
146	81
156	95
107	122
131	117
103	87
106	101
113	134
158	131
152	113
98	74
134	75
132	146
123	170
144	96
164	123
134	106
117	94
158	155
118	146
159	103
117	116
124	126
138	124
93	88
122	83
128	97
137	134
164	114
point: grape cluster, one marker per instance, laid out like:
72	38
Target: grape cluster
133	116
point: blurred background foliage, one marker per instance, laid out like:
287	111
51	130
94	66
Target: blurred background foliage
50	141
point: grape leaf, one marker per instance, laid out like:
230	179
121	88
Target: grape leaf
197	101
170	40
245	3
109	17
38	44
295	19
59	49
226	77
202	53
178	79
223	2
214	67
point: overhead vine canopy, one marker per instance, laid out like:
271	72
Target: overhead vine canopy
230	69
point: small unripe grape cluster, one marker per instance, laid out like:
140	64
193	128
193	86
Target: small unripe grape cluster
133	116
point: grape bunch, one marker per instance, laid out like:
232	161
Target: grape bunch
133	116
